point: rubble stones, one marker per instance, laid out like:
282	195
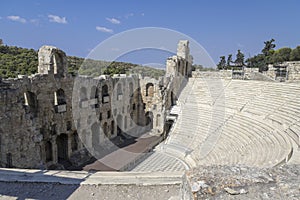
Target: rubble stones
243	182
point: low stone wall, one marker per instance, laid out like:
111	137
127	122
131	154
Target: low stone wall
222	74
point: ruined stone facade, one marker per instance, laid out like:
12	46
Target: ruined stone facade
52	118
286	71
180	64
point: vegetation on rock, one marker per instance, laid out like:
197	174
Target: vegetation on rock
16	61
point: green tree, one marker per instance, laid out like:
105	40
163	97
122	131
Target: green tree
295	54
229	60
269	45
281	55
222	63
239	61
258	61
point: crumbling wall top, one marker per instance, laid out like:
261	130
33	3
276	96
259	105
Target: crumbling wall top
183	49
52	61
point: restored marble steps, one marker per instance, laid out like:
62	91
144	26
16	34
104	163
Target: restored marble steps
233	122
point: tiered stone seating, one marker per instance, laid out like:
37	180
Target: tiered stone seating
288	113
294	132
249	142
196	120
238	93
273	97
232	122
160	162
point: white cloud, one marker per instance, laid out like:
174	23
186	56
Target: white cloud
113	20
16	18
57	19
129	15
104	29
143	14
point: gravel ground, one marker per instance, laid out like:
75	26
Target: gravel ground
17	190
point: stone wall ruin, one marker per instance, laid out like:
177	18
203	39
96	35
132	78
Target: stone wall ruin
50	119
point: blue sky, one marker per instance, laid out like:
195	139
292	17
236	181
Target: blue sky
221	27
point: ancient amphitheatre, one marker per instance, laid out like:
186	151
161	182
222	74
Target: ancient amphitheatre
189	120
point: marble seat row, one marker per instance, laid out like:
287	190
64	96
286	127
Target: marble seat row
244	142
234	122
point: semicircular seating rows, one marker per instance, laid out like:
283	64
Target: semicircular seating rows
233	122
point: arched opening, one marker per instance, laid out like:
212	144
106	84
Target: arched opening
58	64
105	129
149	89
119	91
30	100
158	118
105	95
178	66
48	151
182	69
186	68
94	97
95	134
94	93
130	89
59	97
69	125
9	163
62	148
82	96
119	125
112	127
149	120
173	99
125	123
75	141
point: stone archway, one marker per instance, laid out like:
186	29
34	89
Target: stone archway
149	120
112	127
59	97
62	148
95	134
105	95
48	151
173	101
75	141
31	102
119	125
149	89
